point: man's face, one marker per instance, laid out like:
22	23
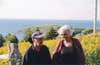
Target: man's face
38	41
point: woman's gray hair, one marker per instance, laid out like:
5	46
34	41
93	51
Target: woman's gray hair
64	28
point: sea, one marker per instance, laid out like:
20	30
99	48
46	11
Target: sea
13	25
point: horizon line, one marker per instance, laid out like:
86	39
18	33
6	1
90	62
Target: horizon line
51	19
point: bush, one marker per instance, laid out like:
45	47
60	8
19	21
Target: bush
11	38
51	34
27	35
1	40
87	31
93	56
77	31
4	62
90	46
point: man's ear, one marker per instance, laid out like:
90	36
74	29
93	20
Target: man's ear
33	40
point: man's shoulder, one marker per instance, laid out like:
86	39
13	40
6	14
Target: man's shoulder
29	49
44	47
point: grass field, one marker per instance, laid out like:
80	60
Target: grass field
90	44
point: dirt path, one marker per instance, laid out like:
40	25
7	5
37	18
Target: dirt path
4	56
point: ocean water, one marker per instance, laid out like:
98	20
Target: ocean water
12	26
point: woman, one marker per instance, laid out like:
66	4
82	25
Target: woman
37	52
68	50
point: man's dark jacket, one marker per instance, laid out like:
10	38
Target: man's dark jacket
32	57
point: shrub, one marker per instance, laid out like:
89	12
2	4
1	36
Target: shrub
4	62
90	46
87	31
11	38
51	34
27	35
1	40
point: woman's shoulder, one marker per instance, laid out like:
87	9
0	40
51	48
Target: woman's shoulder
76	42
75	39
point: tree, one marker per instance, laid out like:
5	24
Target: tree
37	29
87	31
27	35
1	40
12	38
51	34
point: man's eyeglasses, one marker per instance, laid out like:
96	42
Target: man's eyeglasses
63	34
39	38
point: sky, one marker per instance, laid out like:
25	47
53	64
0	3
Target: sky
48	9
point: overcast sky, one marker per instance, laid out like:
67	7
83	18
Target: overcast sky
48	9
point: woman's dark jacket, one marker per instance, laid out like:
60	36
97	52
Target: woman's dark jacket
32	57
79	52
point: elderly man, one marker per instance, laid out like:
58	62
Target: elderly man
37	53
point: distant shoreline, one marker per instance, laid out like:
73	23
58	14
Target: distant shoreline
13	25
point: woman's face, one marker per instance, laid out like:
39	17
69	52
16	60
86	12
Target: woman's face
66	34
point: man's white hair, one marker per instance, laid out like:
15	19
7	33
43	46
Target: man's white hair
64	28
